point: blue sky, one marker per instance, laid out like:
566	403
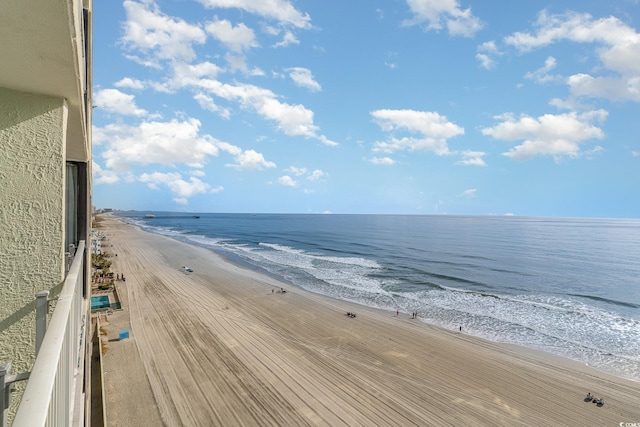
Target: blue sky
368	106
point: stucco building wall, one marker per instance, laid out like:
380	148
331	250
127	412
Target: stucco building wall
32	177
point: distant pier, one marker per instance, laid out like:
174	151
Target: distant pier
151	216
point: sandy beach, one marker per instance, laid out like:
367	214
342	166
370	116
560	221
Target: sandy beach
221	346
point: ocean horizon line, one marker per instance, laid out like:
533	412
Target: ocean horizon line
490	215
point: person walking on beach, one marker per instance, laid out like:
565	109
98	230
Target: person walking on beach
460	329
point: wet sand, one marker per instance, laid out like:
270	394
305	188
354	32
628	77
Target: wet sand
219	347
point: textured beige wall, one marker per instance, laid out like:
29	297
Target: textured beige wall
32	174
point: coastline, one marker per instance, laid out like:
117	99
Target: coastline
218	346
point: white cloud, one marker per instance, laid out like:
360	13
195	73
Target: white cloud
327	141
287	181
613	88
433	128
472	158
293	120
166	143
570	104
207	103
236	62
618	48
589	154
256	72
181	189
288	39
548	135
304	78
541	75
444	13
185	75
489	47
486	53
279	10
238	39
250	159
146	62
471	193
573	26
114	101
159	36
382	161
316	175
635	153
296	171
130	83
170	143
101	176
98	135
485	61
270	30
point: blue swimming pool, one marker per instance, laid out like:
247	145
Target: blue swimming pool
99	302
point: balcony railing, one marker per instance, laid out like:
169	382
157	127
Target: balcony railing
54	392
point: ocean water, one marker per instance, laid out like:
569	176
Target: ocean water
568	286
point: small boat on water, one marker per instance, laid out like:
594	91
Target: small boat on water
148	216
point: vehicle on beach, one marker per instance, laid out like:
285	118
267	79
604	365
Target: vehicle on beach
187	269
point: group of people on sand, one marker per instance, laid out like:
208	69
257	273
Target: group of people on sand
591	398
351	314
414	314
281	291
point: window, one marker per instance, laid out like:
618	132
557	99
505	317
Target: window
71	206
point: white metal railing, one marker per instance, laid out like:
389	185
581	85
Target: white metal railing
56	377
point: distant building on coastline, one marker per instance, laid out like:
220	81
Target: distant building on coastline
45	170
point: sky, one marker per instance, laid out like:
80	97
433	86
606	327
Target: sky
497	107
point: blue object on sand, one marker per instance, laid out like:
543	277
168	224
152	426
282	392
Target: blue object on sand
124	334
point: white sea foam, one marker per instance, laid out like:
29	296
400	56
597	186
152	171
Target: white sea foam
203	240
337	260
348	272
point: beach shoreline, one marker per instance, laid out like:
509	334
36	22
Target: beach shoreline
237	259
221	346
